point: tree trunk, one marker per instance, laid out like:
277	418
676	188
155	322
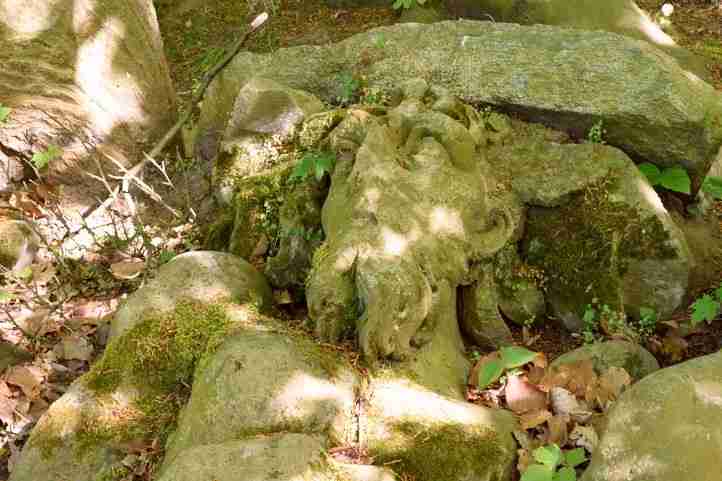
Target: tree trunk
89	77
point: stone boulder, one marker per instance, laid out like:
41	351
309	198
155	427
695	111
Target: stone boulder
201	276
432	437
265	380
613	242
132	394
280	457
650	107
667	427
633	358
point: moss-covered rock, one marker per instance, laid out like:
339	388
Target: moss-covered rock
571	79
613	242
257	204
131	395
300	235
407	212
429	437
266	379
201	276
265	106
671	411
633	358
279	457
480	319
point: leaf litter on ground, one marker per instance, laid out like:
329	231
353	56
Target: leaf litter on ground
556	406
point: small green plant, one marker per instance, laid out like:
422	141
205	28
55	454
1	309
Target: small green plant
165	256
349	87
380	41
4	113
310	235
647	325
596	133
553	464
707	307
314	162
407	3
509	358
41	160
374	96
713	186
590	331
672	178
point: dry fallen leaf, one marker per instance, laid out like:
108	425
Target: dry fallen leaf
522	396
75	347
564	403
128	269
27	378
558	432
611	384
37	322
584	437
533	419
7	408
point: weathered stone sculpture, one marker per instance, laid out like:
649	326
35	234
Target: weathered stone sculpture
407	212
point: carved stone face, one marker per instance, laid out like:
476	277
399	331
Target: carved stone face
407	212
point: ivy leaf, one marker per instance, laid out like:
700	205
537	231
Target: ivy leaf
538	472
704	309
515	356
549	455
713	186
675	179
651	172
4	113
565	474
574	457
489	373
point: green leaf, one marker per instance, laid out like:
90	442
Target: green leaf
675	179
704	309
565	474
647	313
651	172
515	356
489	373
549	455
4	113
6	296
574	457
713	186
538	472
41	159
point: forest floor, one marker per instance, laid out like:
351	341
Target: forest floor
62	344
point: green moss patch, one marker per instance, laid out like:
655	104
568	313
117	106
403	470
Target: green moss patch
438	452
154	362
584	247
